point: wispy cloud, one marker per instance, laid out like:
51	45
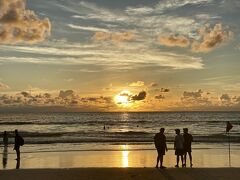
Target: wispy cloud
173	41
107	57
137	84
114	37
4	86
88	28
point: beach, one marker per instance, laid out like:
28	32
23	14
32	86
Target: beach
123	156
122	173
210	163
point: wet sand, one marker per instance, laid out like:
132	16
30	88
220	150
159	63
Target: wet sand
204	157
122	173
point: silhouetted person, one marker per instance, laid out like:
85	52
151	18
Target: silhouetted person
179	146
104	127
5	138
5	157
188	139
18	142
161	146
18	164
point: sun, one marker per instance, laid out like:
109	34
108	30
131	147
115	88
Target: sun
123	98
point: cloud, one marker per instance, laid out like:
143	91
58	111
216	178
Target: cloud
114	36
162	6
4	86
160	97
139	10
69	80
99	99
88	28
165	90
228	100
236	99
225	97
65	94
197	94
66	99
173	41
25	94
20	25
198	98
137	84
140	96
210	38
153	84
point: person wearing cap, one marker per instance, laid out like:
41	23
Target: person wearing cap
161	146
179	147
187	146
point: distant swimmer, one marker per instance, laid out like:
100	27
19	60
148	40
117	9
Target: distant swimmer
188	139
19	141
161	146
179	146
104	127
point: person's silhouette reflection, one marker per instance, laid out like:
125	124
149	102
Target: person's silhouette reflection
18	164
5	157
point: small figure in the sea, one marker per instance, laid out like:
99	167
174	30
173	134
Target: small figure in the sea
5	139
104	127
19	141
161	146
179	147
188	139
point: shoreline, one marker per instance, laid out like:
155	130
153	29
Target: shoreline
119	146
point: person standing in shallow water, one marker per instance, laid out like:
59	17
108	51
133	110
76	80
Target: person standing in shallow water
5	139
17	144
179	147
161	146
188	139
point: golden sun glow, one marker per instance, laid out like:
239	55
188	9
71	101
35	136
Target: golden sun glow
125	154
123	98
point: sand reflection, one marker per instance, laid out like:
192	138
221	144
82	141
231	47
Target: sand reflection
125	158
5	157
125	154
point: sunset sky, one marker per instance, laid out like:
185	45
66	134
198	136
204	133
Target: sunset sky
119	55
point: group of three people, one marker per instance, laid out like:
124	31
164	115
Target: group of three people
182	146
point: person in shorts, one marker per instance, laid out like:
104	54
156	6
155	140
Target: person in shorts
161	146
188	139
179	147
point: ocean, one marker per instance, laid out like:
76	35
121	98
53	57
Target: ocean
135	128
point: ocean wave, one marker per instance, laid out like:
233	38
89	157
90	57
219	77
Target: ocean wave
130	137
15	123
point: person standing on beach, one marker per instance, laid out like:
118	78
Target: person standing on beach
161	146
188	139
18	142
5	139
179	147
